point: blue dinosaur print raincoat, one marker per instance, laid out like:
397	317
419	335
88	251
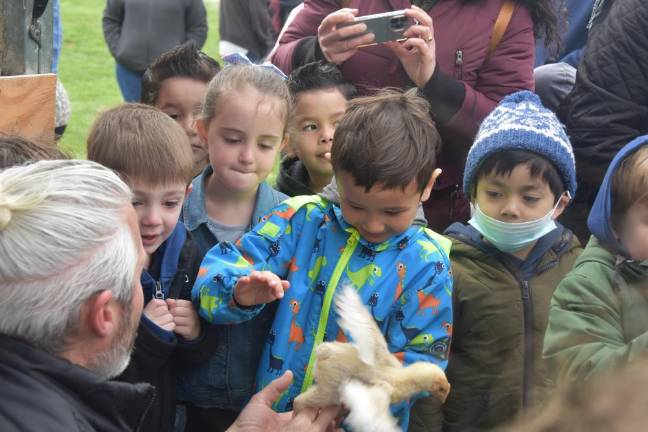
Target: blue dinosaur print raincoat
405	283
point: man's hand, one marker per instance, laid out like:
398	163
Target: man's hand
259	287
258	414
185	318
157	311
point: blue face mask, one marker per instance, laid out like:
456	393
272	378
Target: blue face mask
510	237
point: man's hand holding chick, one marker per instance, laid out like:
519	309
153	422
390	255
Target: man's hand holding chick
259	287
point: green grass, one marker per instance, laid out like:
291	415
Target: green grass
87	70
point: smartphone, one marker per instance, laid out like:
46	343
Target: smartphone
387	26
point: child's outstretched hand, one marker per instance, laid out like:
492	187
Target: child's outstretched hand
185	318
157	311
259	287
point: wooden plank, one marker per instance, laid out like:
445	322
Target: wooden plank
27	106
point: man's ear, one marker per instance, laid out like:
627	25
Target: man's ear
201	129
188	191
430	184
101	314
563	201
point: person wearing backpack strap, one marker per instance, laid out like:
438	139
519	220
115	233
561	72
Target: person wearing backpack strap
449	60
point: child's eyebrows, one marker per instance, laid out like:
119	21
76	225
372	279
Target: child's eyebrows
493	181
231	129
529	187
273	137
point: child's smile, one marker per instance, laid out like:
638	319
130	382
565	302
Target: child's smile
379	214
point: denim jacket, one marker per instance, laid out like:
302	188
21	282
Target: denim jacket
226	381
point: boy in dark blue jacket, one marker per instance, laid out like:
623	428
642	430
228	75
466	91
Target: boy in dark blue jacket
153	155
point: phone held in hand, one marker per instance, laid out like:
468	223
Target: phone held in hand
387	26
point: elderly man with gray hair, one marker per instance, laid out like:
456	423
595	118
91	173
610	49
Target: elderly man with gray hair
71	300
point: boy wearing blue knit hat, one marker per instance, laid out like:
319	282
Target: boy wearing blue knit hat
507	262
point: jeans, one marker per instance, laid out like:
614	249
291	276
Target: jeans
130	83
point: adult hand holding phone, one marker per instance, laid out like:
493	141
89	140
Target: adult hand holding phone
418	53
340	44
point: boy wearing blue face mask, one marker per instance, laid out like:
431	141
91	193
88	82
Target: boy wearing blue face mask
506	263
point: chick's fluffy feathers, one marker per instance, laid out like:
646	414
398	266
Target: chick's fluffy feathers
365	366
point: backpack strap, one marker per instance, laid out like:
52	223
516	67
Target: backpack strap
501	24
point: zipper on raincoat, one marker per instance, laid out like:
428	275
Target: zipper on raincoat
352	243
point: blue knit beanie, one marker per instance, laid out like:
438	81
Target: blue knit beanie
520	122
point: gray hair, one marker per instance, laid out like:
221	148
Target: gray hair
63	238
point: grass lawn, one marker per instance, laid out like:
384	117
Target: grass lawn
87	69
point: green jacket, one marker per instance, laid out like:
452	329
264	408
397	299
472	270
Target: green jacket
599	316
495	366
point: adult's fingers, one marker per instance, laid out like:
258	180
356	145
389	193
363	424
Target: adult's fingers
346	32
326	417
330	22
412	44
419	15
273	390
419	31
346	45
396	48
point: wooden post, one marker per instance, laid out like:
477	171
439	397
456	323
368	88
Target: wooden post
27	106
25	37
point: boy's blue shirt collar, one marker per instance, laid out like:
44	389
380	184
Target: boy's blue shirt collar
169	251
194	212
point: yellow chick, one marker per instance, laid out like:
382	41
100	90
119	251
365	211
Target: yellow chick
343	371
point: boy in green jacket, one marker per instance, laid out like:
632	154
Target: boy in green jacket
599	314
506	263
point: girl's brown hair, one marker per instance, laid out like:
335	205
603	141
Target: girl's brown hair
18	150
237	77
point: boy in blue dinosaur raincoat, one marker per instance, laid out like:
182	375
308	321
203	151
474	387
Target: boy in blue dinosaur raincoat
307	248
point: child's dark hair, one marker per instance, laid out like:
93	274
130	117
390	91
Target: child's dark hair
388	138
185	61
504	162
317	76
18	150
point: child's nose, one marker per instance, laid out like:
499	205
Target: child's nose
189	124
246	156
373	225
152	218
327	134
511	209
